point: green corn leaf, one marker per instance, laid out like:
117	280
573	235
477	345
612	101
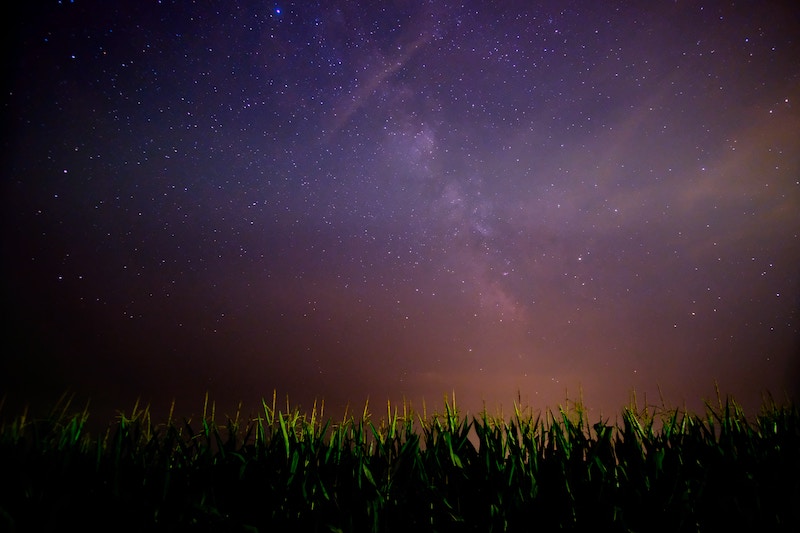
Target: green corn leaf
284	433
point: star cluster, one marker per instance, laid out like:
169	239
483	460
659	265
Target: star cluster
345	200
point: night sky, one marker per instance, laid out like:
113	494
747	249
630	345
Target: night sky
339	200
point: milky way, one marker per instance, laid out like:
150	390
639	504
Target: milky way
401	200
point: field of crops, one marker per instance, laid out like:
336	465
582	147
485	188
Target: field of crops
283	470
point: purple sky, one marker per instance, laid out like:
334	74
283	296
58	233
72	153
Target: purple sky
400	200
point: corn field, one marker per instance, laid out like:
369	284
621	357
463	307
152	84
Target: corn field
283	470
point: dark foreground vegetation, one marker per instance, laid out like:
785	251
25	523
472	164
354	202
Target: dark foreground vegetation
290	471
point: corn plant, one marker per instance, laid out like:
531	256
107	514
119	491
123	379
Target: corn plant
280	469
